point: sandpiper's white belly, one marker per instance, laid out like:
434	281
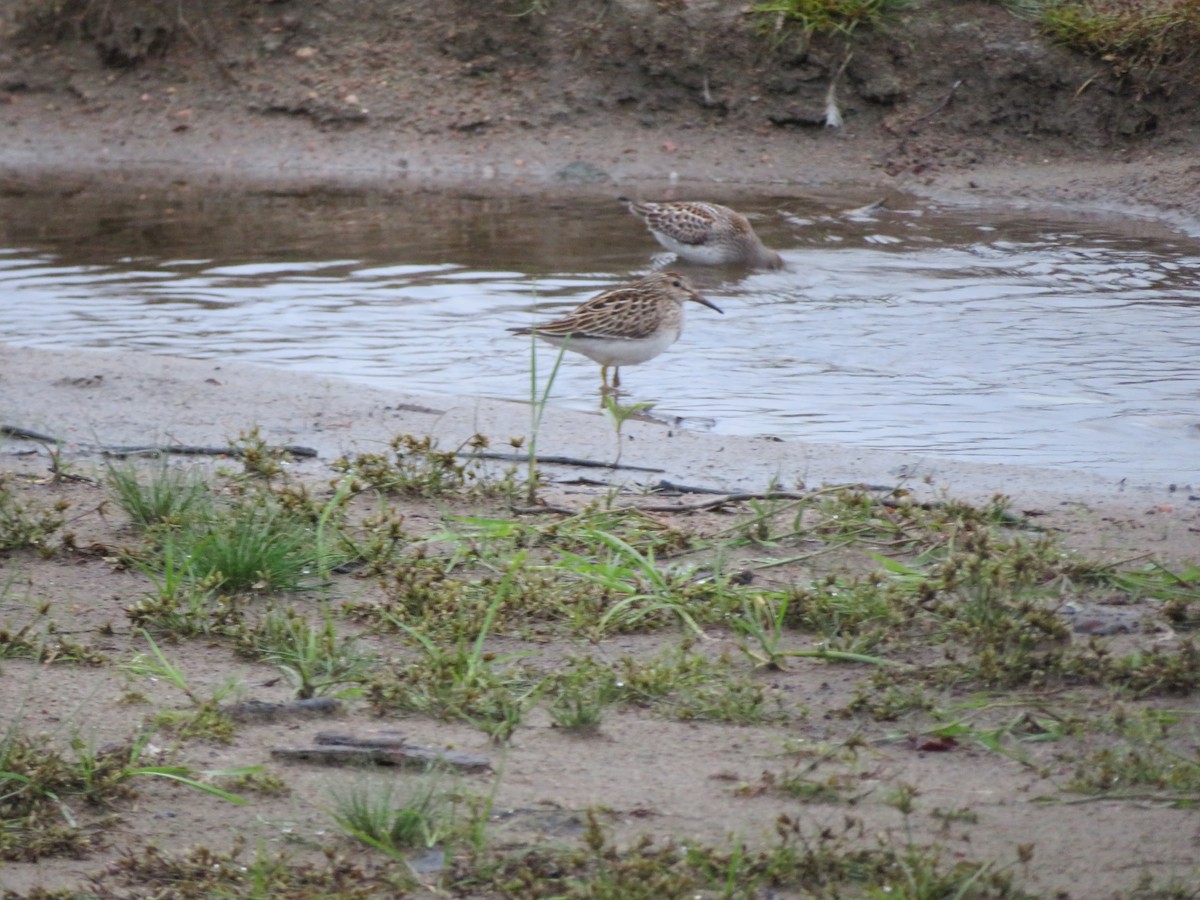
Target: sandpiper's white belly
708	254
618	351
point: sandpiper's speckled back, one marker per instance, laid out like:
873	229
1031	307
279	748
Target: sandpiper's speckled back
626	325
705	233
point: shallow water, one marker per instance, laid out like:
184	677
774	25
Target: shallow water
995	337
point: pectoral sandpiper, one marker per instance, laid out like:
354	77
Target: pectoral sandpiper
625	326
705	233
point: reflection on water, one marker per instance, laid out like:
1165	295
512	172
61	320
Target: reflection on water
1034	341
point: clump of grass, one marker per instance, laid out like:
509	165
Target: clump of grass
1126	770
203	552
590	573
888	696
259	459
255	547
1132	36
813	17
395	817
40	782
166	498
256	781
893	578
1158	670
804	784
578	705
39	639
991	598
1144	758
460	683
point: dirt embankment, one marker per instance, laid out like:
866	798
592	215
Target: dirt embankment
950	96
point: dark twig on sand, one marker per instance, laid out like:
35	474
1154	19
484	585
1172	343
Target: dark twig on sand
555	461
384	749
179	449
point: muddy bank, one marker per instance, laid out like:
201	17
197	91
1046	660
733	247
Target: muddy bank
678	98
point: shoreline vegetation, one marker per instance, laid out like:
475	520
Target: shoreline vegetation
568	681
431	600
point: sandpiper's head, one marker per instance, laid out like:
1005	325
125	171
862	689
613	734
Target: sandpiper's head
678	288
765	258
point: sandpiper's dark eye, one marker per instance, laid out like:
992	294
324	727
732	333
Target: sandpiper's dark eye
675	283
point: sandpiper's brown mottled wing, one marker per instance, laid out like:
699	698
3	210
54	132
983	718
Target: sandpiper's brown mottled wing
705	233
688	223
628	313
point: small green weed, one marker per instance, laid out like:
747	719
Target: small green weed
578	697
417	468
687	685
1132	769
538	399
619	413
27	527
153	872
465	682
647	594
259	459
204	719
315	660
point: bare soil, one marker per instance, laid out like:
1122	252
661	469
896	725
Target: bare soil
691	781
958	100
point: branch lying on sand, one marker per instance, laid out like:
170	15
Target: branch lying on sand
181	449
385	749
555	461
305	452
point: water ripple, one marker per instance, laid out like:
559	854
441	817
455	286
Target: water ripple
1030	341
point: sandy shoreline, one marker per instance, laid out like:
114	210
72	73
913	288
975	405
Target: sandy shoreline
88	400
